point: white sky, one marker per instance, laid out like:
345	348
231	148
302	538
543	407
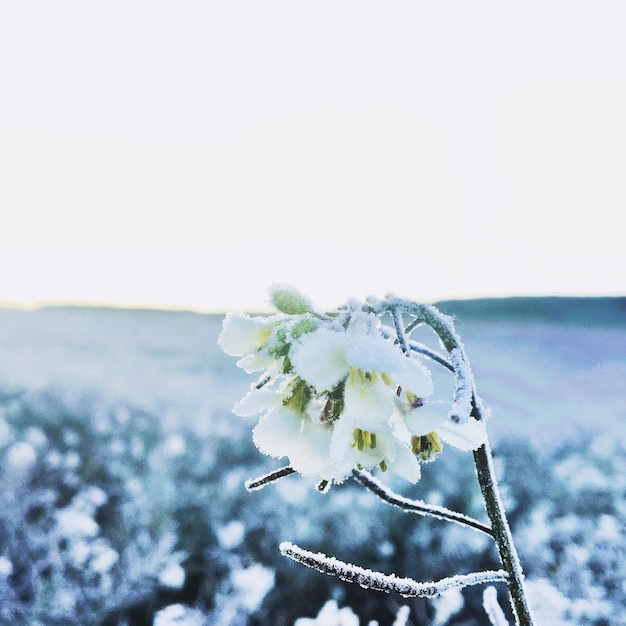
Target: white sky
189	154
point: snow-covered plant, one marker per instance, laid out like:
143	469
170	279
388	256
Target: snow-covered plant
345	392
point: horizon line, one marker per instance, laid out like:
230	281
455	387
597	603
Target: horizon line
219	310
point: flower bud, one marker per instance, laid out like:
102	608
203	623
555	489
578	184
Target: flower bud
289	300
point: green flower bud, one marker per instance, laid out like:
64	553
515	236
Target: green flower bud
289	300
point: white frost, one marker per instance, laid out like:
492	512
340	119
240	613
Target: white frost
73	523
6	567
172	576
446	605
178	615
21	455
492	608
252	584
330	615
231	535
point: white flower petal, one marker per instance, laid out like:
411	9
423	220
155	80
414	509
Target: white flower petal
256	401
277	432
469	435
404	463
425	419
256	362
312	453
347	455
242	334
368	405
341	440
413	376
371	353
319	358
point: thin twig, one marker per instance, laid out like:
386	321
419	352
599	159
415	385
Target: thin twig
261	481
389	583
400	334
417	506
421	348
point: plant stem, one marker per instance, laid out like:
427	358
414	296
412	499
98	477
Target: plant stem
502	534
416	506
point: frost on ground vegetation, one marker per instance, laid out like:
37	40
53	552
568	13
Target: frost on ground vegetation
331	615
180	615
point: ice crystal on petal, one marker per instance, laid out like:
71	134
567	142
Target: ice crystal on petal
104	558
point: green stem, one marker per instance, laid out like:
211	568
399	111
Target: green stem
502	534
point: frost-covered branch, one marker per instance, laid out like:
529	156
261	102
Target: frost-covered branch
463	386
400	332
417	506
431	354
420	348
389	583
258	483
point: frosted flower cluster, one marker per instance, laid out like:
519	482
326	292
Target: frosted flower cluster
334	394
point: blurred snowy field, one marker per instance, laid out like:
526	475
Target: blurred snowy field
123	468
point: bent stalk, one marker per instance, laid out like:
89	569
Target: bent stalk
502	534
